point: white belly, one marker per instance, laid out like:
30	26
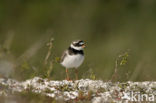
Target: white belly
73	61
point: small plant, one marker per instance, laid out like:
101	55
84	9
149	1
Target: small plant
89	74
50	46
25	70
47	62
92	76
121	60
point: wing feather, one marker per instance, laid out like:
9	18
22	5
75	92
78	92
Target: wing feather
63	56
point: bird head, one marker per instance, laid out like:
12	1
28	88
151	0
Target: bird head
78	45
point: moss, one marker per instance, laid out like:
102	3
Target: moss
40	81
64	88
123	86
89	95
101	90
47	90
29	88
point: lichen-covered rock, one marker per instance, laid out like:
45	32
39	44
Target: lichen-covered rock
95	91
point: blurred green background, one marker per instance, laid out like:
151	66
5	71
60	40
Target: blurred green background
109	28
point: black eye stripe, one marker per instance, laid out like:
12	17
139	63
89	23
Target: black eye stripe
81	42
76	44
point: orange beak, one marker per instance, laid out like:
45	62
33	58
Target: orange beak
83	46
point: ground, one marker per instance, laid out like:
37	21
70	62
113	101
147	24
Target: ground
84	90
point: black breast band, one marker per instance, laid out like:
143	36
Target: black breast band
73	51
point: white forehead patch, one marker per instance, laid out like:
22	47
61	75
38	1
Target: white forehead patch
77	48
75	42
81	43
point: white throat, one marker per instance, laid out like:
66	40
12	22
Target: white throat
76	48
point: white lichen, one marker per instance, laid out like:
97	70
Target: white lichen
95	90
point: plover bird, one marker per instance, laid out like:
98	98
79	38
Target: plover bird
73	57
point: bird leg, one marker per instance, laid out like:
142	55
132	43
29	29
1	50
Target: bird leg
67	75
76	74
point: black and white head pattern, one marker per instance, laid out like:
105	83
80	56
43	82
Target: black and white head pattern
77	45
